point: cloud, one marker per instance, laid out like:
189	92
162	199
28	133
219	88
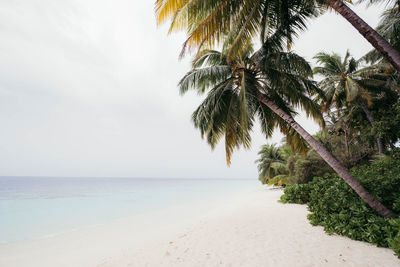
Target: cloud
88	88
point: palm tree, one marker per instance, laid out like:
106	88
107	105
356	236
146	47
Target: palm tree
232	102
276	166
265	84
372	36
388	28
271	163
209	22
342	136
345	83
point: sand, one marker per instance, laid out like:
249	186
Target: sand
250	229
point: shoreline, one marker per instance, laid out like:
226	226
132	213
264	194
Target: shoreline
51	211
247	229
126	232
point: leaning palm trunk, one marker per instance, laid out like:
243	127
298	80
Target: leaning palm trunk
330	159
372	122
370	34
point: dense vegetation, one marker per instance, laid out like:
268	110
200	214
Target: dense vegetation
356	103
281	166
362	116
335	206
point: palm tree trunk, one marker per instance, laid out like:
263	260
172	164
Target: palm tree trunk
372	121
370	34
330	159
347	146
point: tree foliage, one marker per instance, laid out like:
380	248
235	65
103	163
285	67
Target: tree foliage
234	24
269	84
282	165
388	27
232	104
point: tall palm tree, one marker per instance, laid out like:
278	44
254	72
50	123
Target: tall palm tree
388	28
232	102
372	36
211	22
208	22
265	84
344	83
342	136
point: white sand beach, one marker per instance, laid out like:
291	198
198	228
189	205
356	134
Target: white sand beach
249	229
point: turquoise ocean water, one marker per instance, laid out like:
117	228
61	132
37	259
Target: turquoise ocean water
35	207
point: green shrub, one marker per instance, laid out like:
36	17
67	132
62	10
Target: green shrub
395	153
336	207
296	193
394	241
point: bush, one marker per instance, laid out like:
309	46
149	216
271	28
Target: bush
296	193
394	241
336	207
395	153
309	167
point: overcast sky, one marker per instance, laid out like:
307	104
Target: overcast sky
88	88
